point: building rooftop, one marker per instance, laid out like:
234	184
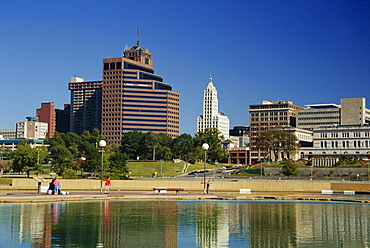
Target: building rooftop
322	106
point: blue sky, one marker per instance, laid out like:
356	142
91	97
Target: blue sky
304	51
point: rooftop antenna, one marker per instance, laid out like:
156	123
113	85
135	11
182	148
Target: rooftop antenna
137	36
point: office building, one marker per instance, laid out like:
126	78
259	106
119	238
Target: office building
269	115
318	115
86	102
31	129
6	134
351	111
133	97
47	114
354	112
352	141
211	118
63	119
239	135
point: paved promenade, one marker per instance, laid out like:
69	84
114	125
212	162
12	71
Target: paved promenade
21	197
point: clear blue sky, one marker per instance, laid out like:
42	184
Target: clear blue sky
304	51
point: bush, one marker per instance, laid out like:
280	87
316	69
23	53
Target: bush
69	174
289	168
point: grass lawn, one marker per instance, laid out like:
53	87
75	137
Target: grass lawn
169	169
5	181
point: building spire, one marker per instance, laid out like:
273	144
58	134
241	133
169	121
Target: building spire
137	35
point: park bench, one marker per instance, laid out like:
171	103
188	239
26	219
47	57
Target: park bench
164	190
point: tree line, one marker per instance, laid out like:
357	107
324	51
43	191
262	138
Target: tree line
68	153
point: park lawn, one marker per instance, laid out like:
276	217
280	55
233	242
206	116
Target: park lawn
169	169
146	169
5	181
200	166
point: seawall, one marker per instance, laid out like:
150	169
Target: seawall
196	186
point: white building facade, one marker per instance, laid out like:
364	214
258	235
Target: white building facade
211	118
339	141
31	129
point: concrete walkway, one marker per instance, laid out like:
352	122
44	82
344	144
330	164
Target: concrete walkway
21	197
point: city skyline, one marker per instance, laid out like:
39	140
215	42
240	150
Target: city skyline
305	52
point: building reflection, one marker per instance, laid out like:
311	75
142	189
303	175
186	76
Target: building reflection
212	224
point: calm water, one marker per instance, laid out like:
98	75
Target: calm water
184	224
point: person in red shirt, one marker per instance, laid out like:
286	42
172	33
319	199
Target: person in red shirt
107	185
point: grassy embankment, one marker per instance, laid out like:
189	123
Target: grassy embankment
304	164
137	169
169	169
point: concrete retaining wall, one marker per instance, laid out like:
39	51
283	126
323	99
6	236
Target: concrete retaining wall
216	186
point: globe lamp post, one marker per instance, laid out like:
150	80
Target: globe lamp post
205	148
102	144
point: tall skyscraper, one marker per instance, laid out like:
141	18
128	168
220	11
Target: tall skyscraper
47	114
86	101
133	97
211	117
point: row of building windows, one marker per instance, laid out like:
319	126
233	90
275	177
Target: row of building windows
269	113
142	101
318	113
318	118
318	124
271	124
345	135
345	144
145	129
146	120
269	119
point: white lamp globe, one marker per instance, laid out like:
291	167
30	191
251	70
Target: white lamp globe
205	146
102	143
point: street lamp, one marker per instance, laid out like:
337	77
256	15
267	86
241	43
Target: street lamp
205	147
102	144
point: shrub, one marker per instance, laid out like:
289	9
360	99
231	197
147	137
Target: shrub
69	174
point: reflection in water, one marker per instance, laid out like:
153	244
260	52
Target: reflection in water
184	224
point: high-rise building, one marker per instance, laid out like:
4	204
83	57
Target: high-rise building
351	111
86	102
239	135
318	115
47	114
211	118
63	119
31	129
269	115
134	98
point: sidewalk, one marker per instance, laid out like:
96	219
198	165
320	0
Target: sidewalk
32	197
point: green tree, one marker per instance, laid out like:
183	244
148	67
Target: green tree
61	159
276	140
211	136
92	157
183	147
118	164
93	137
27	159
72	142
5	162
289	168
132	144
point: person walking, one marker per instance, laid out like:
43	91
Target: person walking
107	185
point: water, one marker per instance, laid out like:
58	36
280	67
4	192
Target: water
118	223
